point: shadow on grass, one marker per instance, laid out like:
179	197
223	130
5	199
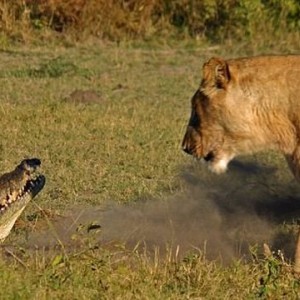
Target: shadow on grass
253	204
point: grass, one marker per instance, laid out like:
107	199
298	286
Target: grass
99	142
121	148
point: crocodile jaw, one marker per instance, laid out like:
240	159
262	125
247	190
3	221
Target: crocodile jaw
12	213
8	223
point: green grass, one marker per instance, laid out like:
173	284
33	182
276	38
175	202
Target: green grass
122	149
103	147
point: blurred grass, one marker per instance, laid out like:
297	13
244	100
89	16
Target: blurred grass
123	148
95	274
255	22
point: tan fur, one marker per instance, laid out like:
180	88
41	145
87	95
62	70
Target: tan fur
243	106
246	105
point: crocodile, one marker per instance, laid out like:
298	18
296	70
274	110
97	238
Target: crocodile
17	188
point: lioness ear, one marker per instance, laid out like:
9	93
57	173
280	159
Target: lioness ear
216	73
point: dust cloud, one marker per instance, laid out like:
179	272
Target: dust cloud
222	215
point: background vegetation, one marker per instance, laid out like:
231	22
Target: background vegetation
212	20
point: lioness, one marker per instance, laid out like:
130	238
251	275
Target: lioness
243	106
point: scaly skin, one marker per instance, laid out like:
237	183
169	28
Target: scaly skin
17	188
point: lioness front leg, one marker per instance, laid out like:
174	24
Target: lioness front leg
294	164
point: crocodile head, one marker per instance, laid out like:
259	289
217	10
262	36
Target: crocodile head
17	188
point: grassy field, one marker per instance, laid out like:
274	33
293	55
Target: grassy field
107	122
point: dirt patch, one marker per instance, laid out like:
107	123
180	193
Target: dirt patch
85	97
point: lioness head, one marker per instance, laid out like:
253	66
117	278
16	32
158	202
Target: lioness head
206	130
